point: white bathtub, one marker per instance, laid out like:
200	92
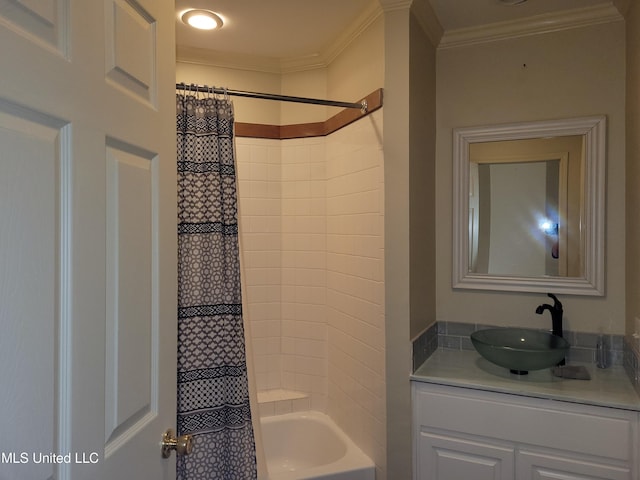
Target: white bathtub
309	445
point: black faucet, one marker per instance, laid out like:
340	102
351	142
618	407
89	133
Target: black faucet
556	316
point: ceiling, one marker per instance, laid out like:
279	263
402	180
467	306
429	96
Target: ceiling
283	29
275	28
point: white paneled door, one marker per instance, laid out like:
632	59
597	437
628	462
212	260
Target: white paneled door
87	239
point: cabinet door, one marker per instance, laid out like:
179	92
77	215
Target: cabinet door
445	457
538	466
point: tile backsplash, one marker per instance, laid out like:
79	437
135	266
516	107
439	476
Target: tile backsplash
455	336
632	363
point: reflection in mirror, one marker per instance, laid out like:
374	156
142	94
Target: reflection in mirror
529	206
524	212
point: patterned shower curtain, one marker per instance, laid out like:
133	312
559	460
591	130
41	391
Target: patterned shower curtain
213	395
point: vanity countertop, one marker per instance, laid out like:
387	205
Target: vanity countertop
609	387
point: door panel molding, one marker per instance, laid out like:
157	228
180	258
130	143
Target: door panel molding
131	65
44	22
132	321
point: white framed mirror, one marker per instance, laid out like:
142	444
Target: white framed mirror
529	206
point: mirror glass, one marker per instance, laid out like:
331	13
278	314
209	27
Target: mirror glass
529	206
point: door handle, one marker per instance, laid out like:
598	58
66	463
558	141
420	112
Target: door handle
182	444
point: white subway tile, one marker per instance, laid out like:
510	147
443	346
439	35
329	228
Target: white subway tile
283	407
312	232
301	404
267	409
274	379
319	402
288	380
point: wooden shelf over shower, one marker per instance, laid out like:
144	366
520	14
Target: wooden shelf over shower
315	129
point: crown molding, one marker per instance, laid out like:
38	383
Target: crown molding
237	61
622	6
534	25
367	18
393	5
428	20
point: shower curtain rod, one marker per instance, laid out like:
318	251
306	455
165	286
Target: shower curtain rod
270	96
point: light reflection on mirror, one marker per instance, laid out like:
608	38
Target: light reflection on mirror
524	207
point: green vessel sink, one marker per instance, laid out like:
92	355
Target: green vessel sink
520	349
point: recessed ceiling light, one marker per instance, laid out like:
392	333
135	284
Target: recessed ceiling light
202	19
512	2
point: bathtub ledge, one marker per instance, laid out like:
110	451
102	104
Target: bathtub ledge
279	394
279	402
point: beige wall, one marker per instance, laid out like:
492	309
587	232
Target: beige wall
633	167
396	238
571	73
246	109
409	146
359	69
306	83
422	178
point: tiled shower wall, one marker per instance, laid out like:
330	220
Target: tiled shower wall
304	326
283	237
312	237
355	282
260	192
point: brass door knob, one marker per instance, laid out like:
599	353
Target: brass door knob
182	445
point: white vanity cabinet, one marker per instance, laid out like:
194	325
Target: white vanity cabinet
462	433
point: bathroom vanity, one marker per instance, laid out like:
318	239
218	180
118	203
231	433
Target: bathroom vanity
473	419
